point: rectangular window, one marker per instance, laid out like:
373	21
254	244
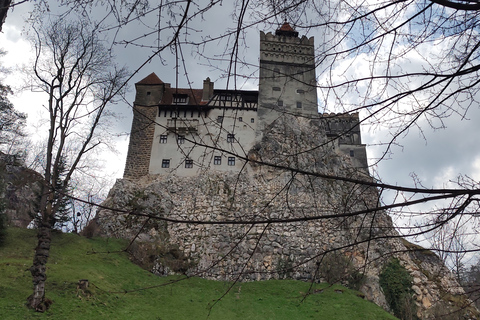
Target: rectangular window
188	163
181	139
276	89
217	160
252	120
280	103
165	163
352	153
230	137
300	91
240	119
231	161
220	119
163	138
299	104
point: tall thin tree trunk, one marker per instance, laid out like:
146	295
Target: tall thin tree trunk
37	300
4	6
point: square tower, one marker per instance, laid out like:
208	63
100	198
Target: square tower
287	76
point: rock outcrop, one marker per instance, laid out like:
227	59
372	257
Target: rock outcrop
20	190
289	214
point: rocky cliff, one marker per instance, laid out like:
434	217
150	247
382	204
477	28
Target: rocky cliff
20	189
284	216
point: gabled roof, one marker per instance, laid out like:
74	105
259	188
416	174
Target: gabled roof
152	78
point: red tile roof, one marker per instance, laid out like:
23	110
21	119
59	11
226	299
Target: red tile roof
286	27
286	30
152	78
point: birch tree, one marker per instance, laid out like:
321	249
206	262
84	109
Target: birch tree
74	70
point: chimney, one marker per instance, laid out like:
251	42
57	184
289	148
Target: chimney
207	89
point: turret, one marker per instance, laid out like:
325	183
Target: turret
149	93
287	76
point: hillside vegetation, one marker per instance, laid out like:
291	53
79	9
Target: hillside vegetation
117	288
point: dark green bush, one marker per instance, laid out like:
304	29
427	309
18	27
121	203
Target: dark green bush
3	217
3	223
335	267
396	284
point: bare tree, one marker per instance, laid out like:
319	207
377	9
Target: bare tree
74	70
451	242
4	6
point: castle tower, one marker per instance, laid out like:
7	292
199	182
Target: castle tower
287	76
149	93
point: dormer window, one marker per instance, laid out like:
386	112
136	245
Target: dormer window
180	99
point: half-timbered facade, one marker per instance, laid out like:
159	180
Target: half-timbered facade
194	134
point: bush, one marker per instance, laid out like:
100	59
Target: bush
3	229
335	267
396	284
3	216
284	268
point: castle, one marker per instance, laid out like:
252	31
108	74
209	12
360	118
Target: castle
253	185
187	131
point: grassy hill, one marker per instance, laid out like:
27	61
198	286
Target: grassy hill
117	288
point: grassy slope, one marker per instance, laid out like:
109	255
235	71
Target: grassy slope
72	259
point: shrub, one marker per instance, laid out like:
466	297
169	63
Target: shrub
3	225
396	284
335	267
284	268
3	216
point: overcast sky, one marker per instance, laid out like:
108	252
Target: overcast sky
434	156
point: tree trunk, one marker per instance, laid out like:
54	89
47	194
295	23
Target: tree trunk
4	6
37	300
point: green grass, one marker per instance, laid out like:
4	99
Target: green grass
110	274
